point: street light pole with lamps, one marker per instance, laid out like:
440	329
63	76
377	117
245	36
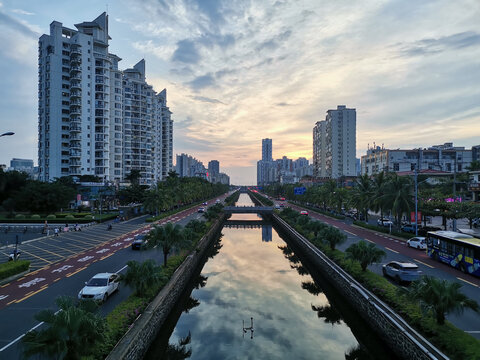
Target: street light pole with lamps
416	199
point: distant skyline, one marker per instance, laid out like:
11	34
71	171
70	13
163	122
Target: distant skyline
238	72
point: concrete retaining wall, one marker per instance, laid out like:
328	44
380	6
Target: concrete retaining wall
138	339
400	337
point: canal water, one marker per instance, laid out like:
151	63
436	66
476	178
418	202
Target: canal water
255	299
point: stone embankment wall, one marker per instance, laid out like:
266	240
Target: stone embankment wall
138	339
400	337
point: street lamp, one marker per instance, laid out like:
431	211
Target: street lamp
416	200
7	134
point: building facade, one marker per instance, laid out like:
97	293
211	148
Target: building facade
188	166
94	119
441	158
334	144
213	167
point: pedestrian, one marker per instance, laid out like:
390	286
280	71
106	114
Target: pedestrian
56	231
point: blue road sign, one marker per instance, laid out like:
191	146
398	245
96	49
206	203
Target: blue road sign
299	190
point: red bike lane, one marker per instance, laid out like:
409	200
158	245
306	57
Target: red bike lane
393	244
37	281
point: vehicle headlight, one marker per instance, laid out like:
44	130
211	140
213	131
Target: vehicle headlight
98	296
80	294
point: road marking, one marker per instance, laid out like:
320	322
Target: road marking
85	258
50	252
61	248
391	250
75	272
373	242
421	262
2	297
350	233
106	256
473	331
468	282
21	336
62	268
123	268
38	257
31	294
31	282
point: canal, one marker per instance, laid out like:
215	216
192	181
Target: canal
254	278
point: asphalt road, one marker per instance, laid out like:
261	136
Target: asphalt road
103	251
396	249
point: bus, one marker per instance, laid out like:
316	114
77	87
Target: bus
459	250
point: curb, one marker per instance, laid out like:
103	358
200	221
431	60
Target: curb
14	277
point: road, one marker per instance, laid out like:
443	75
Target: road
20	300
396	249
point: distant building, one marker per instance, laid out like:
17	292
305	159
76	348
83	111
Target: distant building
474	185
213	167
334	144
266	171
267	149
444	158
25	165
188	166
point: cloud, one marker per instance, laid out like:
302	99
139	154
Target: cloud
208	100
283	104
7	21
22	12
201	82
186	52
433	46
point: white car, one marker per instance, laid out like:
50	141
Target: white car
417	243
100	287
384	222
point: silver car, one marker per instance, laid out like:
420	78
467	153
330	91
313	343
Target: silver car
401	272
100	287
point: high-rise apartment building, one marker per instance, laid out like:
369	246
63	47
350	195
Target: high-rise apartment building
334	144
267	149
95	119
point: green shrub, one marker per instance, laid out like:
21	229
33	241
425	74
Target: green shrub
35	217
383	229
19	216
13	267
69	217
88	217
51	217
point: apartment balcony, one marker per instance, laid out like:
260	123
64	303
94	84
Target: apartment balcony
75	102
75	85
75	60
74	69
76	76
75	94
75	153
75	145
75	50
75	111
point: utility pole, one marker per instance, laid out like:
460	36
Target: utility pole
416	202
454	222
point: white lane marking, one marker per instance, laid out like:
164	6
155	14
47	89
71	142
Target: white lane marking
391	250
468	282
123	268
4	297
62	268
31	282
103	251
421	262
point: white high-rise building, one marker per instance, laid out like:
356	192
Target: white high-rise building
334	144
266	168
95	119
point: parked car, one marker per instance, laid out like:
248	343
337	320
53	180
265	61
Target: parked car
139	242
205	203
410	228
401	272
100	287
384	222
201	210
476	222
417	242
304	212
217	201
424	230
277	206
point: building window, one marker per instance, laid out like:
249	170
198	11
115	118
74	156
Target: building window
396	167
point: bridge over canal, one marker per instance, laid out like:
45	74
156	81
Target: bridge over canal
248	210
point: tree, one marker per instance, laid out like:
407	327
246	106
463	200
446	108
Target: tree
362	195
72	333
474	166
134	177
399	195
379	185
365	253
168	237
441	297
332	236
142	276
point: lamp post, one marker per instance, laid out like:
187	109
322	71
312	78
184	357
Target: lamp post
9	133
416	199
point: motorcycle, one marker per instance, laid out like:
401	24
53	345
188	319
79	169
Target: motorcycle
15	255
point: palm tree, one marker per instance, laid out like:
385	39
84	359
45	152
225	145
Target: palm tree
362	195
168	237
379	185
142	276
399	195
365	253
73	332
332	236
441	297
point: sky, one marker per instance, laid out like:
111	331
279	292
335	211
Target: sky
239	71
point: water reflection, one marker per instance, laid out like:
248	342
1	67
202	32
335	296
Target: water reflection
266	281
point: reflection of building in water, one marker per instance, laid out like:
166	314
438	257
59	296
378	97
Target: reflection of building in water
266	233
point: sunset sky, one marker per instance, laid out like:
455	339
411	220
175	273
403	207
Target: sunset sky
240	71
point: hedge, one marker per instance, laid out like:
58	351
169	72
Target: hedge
13	267
326	213
383	230
454	342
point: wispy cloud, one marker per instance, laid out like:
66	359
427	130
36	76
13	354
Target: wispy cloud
22	12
